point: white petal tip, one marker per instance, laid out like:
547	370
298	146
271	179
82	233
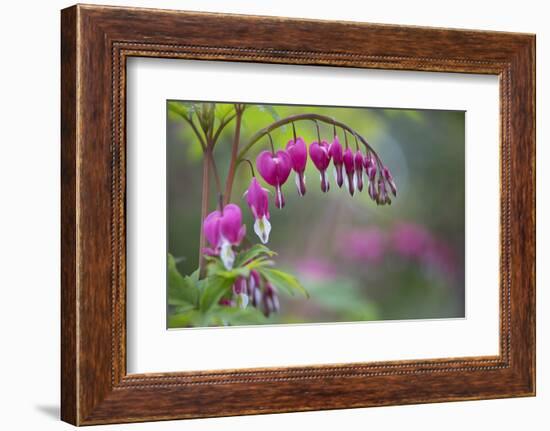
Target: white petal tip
227	255
262	228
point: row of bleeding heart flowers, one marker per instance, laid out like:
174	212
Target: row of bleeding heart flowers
275	167
223	228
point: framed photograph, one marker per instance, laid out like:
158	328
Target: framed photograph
322	214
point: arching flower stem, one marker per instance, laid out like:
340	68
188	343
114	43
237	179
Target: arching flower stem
318	132
301	117
271	143
251	166
356	143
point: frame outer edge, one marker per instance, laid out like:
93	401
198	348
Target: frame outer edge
522	177
69	197
88	396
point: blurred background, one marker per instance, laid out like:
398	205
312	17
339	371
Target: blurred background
357	260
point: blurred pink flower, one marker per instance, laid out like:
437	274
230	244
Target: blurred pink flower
416	242
410	240
316	268
442	257
366	245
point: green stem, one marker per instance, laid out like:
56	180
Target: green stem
234	154
204	210
301	117
209	154
221	127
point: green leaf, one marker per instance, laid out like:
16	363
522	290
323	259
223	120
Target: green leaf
223	110
195	275
178	108
179	309
260	262
215	288
252	253
216	268
182	291
283	281
237	316
185	320
234	273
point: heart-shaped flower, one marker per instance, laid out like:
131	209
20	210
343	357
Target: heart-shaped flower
275	169
358	161
258	201
223	230
297	151
320	156
336	153
370	167
349	166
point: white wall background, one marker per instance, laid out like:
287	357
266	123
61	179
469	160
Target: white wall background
29	216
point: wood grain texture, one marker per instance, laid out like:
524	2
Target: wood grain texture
96	41
69	330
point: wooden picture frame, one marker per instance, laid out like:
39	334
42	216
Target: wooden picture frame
96	41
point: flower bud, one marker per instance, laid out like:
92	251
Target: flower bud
358	161
349	166
336	153
389	178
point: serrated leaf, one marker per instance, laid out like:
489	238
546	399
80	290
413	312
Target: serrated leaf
252	253
283	281
260	262
195	275
217	268
182	291
185	320
178	108
234	273
214	289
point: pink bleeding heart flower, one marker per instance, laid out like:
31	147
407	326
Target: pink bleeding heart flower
370	167
349	166
275	169
382	197
255	288
372	191
320	156
297	151
370	170
225	302
258	201
389	178
358	161
336	153
240	290
223	230
270	300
